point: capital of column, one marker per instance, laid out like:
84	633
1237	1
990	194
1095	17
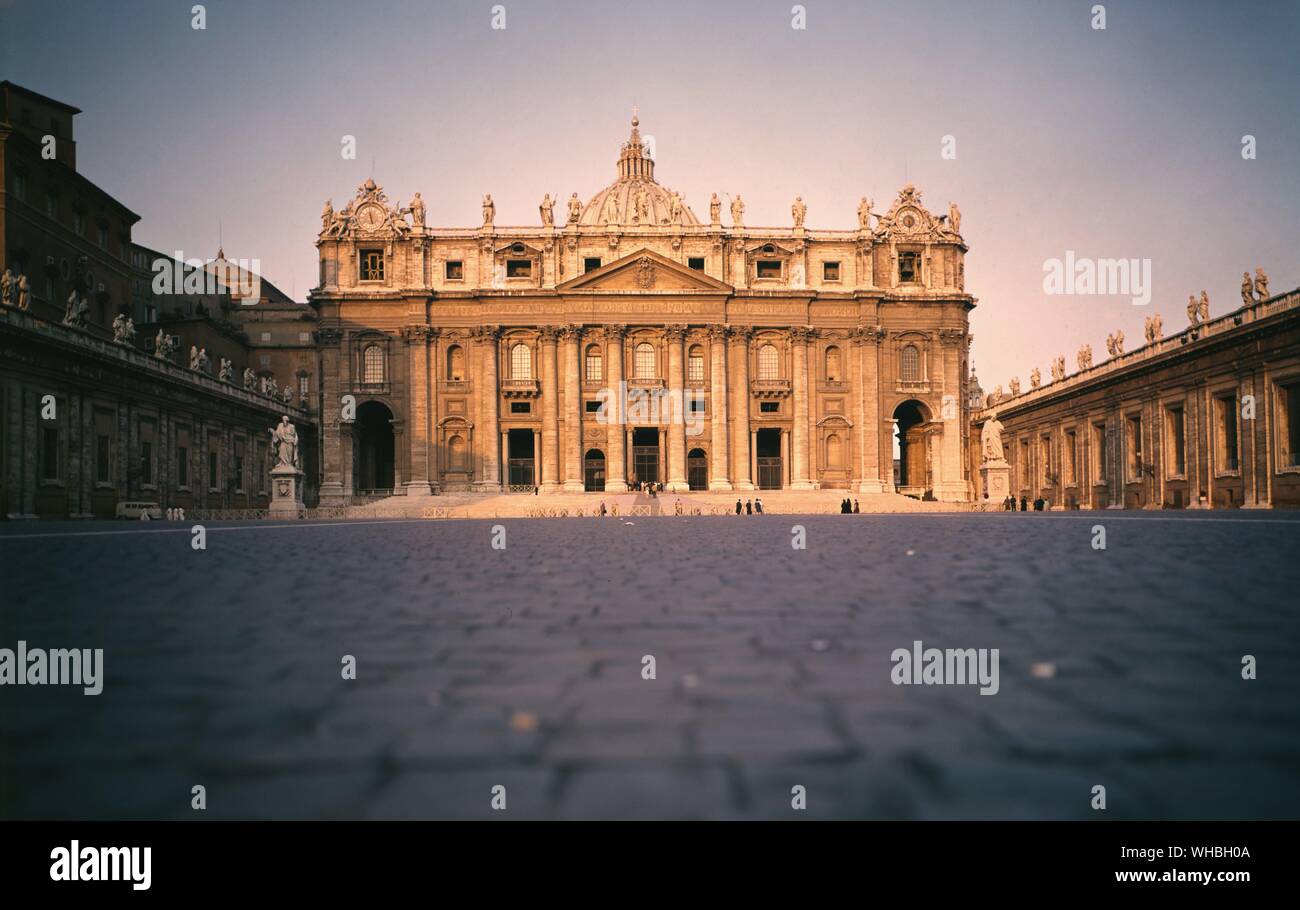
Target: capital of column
717	332
740	334
867	334
675	333
571	332
952	337
615	333
802	334
417	333
549	334
483	333
328	338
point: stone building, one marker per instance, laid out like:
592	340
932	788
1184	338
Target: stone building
1205	418
625	339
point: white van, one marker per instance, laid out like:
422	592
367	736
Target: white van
140	510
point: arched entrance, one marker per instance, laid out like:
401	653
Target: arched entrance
912	442
373	432
593	471
697	469
771	468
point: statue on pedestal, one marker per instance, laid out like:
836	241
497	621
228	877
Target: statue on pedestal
194	357
547	208
1015	385
575	208
715	209
327	217
1035	378
954	218
1205	307
864	214
737	212
417	211
250	380
1261	283
205	363
227	371
7	286
284	444
1246	290
489	210
24	293
799	210
123	329
1193	309
991	439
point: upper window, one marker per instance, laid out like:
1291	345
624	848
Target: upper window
595	373
591	263
696	262
20	186
1289	424
1176	436
909	266
909	364
52	204
455	270
766	268
519	268
833	364
521	362
372	365
645	361
372	265
1226	432
695	365
456	363
830	271
769	362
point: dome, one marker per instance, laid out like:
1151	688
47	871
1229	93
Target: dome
635	199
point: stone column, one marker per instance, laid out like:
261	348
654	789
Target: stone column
549	457
753	456
739	380
331	488
718	459
785	458
616	457
489	400
799	337
949	485
677	427
572	337
503	456
867	351
537	460
418	409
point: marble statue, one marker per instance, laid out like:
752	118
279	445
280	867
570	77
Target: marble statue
1192	309
77	312
675	217
327	217
194	357
642	206
287	395
24	293
205	363
1119	341
1261	283
799	210
1205	307
997	393
123	329
737	212
547	208
1035	378
284	444
610	213
954	218
489	210
715	209
7	288
1084	357
864	214
341	219
227	371
991	438
1015	385
1246	289
1058	368
417	211
575	208
250	380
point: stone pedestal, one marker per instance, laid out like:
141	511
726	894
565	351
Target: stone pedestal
286	491
996	477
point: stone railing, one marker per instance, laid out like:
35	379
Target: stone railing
770	388
125	355
1170	344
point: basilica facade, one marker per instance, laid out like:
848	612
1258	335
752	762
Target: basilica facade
623	339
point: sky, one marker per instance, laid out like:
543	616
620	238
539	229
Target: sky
1122	142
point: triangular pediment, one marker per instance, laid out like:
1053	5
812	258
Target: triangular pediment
645	271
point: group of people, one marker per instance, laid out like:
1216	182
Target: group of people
650	487
751	507
848	507
1009	504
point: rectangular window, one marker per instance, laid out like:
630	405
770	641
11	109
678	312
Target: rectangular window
830	271
593	407
304	386
695	368
266	337
1045	460
50	461
239	465
148	430
594	367
591	263
697	404
78	222
1098	453
1023	467
20	186
146	463
103	237
1133	446
372	265
768	269
696	262
909	267
183	459
1225	408
455	270
1071	458
519	268
1289	399
214	474
1175	442
103	470
52	205
769	407
521	407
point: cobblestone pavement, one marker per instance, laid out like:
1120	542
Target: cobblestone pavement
478	667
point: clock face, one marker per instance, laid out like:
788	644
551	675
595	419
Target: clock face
370	217
908	220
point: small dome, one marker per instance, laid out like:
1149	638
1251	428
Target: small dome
635	199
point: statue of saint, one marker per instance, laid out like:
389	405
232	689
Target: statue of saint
1261	283
610	213
1205	307
327	217
675	216
205	364
24	293
7	288
715	209
250	380
799	210
954	218
1015	385
194	357
864	214
1119	341
489	210
1192	309
417	210
991	438
575	208
284	443
227	370
737	212
1246	290
1035	378
123	329
1157	326
547	208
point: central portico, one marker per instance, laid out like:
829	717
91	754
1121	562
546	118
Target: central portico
635	342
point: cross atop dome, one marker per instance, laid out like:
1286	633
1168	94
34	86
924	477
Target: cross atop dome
633	161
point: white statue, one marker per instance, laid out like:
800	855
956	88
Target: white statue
205	363
1035	378
991	438
1261	283
417	210
864	214
327	217
575	208
489	210
799	210
954	218
250	380
24	293
1192	310
284	444
194	357
675	217
610	213
1015	385
1246	290
737	212
287	395
547	208
1205	307
1084	357
227	371
715	209
123	329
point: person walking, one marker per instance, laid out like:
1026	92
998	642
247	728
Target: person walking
737	506
749	507
602	508
1024	505
856	510
758	506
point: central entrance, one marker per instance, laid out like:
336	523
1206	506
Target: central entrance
770	466
697	470
593	471
520	458
645	455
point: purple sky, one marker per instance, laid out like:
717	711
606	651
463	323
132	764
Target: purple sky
1117	143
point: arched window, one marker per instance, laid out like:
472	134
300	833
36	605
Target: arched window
695	364
521	362
456	363
769	362
595	365
372	365
833	364
456	453
834	452
909	365
645	361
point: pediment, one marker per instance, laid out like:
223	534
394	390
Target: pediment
645	271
